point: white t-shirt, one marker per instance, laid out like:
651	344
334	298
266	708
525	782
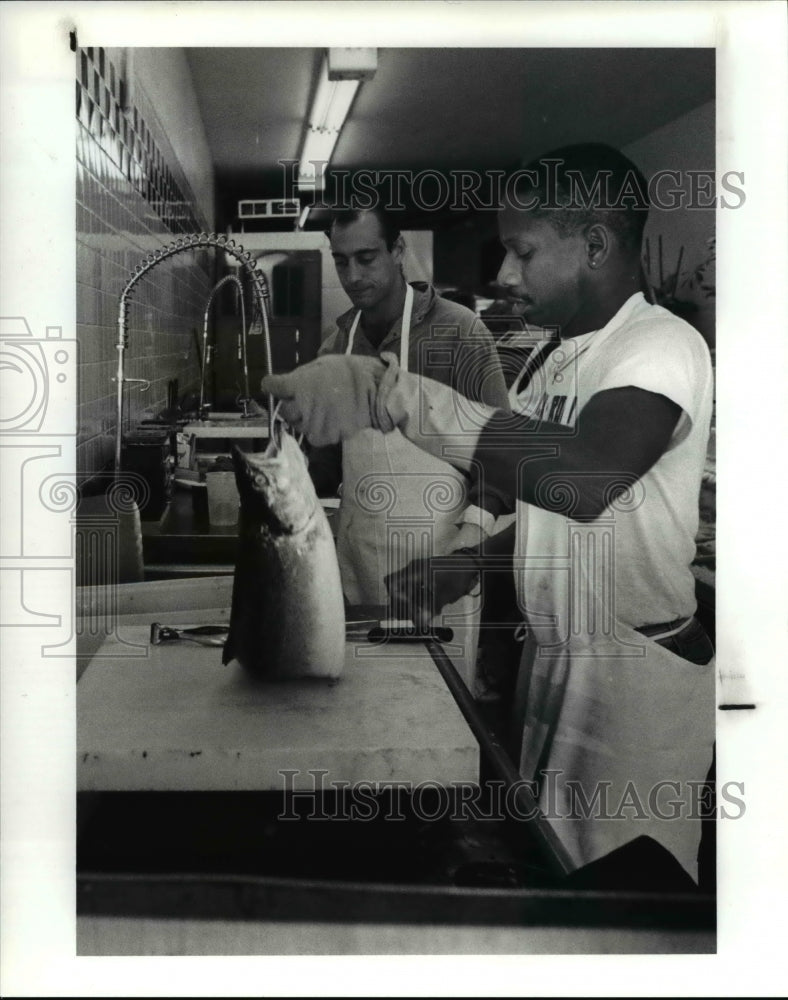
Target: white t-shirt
632	564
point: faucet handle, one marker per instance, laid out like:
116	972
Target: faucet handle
143	381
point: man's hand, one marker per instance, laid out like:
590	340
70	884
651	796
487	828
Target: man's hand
330	398
467	536
423	588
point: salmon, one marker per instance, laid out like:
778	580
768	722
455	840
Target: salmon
287	617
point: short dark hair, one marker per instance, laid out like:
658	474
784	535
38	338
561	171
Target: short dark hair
389	221
580	185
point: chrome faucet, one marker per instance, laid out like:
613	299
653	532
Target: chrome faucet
182	245
227	279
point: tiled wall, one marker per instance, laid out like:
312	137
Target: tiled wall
132	197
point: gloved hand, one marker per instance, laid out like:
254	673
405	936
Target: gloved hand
421	589
330	398
430	414
451	427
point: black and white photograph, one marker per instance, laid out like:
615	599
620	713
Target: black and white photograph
376	585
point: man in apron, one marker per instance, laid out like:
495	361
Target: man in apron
400	503
615	699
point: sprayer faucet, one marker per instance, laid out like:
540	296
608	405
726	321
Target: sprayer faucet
181	245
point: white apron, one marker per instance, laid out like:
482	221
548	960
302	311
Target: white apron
600	705
399	504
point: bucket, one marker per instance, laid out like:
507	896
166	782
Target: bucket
222	498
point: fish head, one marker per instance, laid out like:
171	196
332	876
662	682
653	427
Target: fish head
275	487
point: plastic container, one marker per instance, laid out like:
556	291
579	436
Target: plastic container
223	498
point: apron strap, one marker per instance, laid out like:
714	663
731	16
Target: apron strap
404	335
352	335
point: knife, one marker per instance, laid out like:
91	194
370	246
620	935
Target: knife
403	630
205	635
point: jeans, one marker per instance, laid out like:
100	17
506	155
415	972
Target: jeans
692	643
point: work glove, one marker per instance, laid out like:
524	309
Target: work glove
338	395
420	590
430	414
331	398
470	435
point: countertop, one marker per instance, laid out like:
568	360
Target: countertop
171	717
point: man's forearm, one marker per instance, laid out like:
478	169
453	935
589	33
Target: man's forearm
575	471
579	471
498	546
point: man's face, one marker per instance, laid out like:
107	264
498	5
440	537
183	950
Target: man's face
543	271
367	270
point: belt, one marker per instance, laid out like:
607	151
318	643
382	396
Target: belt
666	629
655	632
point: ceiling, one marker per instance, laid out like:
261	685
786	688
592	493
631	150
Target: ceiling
442	109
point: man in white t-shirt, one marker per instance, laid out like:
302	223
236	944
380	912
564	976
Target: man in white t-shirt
603	463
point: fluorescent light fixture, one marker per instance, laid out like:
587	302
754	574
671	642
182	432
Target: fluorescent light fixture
352	64
316	153
332	102
327	115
